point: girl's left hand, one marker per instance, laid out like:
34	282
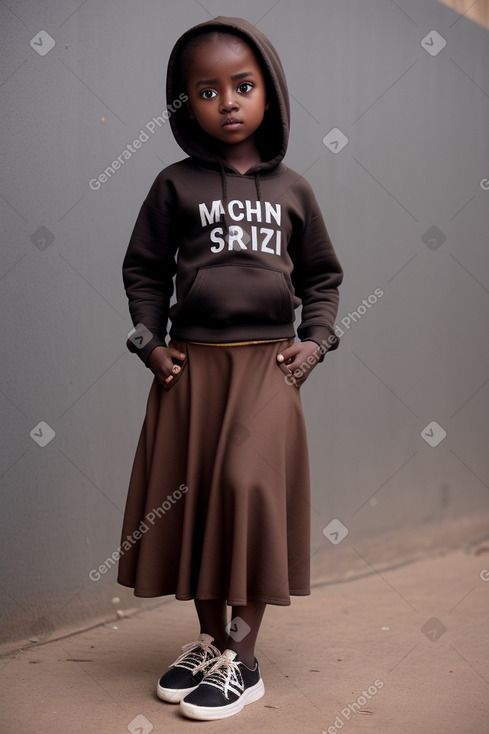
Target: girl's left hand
300	358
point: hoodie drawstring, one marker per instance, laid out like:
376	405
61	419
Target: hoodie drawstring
224	189
258	185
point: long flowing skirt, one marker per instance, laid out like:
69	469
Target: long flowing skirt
218	504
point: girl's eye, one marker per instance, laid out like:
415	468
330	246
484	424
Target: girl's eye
208	94
245	87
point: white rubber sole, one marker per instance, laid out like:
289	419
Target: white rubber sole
208	713
173	695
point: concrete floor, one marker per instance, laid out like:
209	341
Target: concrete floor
404	650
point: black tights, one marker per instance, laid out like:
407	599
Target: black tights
213	621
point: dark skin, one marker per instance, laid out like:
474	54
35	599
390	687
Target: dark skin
225	83
165	362
227	97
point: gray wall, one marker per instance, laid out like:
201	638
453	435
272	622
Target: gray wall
417	154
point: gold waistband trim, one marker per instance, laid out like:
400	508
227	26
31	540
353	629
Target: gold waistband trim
239	344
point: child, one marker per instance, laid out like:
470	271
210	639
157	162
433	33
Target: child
218	503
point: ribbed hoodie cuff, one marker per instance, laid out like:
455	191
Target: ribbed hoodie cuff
324	337
142	341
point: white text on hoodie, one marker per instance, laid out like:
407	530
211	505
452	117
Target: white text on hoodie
255	238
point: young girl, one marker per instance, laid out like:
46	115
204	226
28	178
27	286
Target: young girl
218	503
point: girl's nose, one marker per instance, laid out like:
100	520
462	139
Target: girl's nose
229	101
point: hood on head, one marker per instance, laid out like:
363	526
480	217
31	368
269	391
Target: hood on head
272	136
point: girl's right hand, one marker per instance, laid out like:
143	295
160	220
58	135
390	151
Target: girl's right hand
165	363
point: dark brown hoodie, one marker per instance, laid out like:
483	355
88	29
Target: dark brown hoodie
247	249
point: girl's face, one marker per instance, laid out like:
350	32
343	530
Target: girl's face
226	90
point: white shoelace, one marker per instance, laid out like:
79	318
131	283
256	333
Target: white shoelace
195	655
224	674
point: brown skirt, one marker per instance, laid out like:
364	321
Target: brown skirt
218	502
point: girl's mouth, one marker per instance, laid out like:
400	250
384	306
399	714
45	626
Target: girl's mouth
231	122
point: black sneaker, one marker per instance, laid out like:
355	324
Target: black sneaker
228	686
187	671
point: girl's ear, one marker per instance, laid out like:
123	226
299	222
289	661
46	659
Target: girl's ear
189	110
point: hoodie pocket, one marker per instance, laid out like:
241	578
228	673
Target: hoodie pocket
234	294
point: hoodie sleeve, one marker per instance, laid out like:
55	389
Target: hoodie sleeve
316	277
148	269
